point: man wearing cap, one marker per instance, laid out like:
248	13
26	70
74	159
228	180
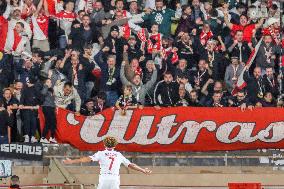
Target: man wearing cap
233	72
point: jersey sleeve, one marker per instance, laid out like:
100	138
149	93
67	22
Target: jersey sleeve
125	161
95	157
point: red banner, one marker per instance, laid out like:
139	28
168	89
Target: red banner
174	129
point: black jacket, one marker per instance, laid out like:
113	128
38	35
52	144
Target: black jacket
167	92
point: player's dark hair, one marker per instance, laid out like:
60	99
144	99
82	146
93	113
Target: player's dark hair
110	142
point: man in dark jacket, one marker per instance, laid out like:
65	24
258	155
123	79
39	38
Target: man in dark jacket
110	81
166	91
85	34
255	88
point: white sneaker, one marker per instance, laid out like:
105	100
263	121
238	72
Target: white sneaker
44	140
33	139
52	140
27	138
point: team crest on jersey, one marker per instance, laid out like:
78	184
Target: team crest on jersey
159	18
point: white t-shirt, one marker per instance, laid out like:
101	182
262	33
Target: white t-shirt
110	161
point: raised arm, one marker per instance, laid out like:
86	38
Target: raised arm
259	24
227	22
39	6
122	74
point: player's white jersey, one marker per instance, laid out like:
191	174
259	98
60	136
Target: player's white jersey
110	161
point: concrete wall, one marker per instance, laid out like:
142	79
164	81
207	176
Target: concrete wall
164	176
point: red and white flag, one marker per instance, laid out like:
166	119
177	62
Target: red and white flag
241	82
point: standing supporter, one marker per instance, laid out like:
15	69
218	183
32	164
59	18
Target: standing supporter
266	56
11	105
165	93
67	97
99	16
84	34
162	16
233	71
65	19
270	82
5	125
48	109
239	47
126	101
186	22
244	26
88	108
75	71
255	88
110	81
139	89
40	24
28	10
200	76
29	105
100	102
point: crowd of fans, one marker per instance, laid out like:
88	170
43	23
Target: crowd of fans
88	55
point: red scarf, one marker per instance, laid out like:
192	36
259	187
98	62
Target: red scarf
168	51
17	39
204	37
158	38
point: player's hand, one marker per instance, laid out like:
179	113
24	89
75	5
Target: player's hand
67	161
147	171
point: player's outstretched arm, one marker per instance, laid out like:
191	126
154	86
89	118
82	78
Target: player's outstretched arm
80	160
140	169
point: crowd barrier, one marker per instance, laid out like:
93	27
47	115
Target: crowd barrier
176	129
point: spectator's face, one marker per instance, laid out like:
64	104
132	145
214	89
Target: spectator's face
119	5
272	11
127	91
235	61
132	42
70	6
98	6
67	90
182	64
239	36
111	62
181	92
207	6
114	34
243	20
159	5
18	86
185	37
165	43
88	51
268	97
193	96
202	65
28	64
90	105
17	14
267	39
149	66
100	101
86	21
210	45
80	16
74	56
240	96
134	63
206	27
218	86
257	72
269	72
19	28
7	94
188	11
195	3
217	97
133	7
155	28
168	78
118	15
137	80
